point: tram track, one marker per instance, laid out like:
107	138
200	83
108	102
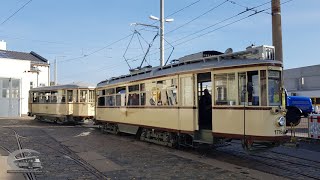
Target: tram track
70	155
27	175
292	169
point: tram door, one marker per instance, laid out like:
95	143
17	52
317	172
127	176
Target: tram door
204	100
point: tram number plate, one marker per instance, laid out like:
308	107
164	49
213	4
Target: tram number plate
279	132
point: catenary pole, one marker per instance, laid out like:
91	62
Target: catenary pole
277	29
161	32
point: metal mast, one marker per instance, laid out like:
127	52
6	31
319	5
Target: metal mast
55	72
277	29
161	32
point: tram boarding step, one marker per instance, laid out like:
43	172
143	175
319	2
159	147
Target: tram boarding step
203	136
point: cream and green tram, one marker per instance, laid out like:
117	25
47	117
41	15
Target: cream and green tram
201	98
62	103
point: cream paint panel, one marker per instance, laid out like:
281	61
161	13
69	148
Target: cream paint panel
227	121
58	109
258	122
83	109
186	117
163	118
111	114
262	123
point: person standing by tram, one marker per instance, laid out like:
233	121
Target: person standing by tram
205	106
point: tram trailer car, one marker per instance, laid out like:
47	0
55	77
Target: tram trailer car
62	103
203	98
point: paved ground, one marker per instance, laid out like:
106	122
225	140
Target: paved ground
83	152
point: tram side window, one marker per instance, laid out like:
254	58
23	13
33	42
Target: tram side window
142	94
63	96
133	97
83	95
101	98
187	91
110	97
34	97
263	86
242	88
274	88
253	88
91	95
226	89
54	97
42	97
249	88
120	96
69	95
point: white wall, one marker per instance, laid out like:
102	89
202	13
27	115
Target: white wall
41	79
19	69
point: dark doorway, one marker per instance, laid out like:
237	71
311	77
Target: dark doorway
205	100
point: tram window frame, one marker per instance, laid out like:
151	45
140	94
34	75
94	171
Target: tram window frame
54	97
187	91
91	95
133	95
83	98
110	97
63	96
69	97
270	94
172	92
253	84
34	97
263	88
120	91
229	88
143	98
248	88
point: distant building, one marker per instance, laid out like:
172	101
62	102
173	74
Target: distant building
19	71
303	81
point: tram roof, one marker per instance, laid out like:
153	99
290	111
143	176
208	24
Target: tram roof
64	86
189	66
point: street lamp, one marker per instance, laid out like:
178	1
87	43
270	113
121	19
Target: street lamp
162	20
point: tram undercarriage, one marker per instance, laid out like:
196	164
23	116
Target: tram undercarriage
68	119
178	139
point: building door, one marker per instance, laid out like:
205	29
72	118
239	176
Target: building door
9	97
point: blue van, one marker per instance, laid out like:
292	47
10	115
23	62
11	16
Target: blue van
301	102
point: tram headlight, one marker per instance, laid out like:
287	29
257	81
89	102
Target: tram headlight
281	121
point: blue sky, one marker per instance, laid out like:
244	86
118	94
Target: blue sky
65	30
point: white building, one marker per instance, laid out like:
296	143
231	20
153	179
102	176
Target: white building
19	71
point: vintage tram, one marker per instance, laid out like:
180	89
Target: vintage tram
204	98
62	103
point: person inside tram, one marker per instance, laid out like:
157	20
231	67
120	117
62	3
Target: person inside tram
205	107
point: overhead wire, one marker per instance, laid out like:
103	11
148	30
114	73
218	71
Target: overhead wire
222	21
84	56
246	17
8	18
98	50
206	12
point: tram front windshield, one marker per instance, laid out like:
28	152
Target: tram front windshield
274	88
